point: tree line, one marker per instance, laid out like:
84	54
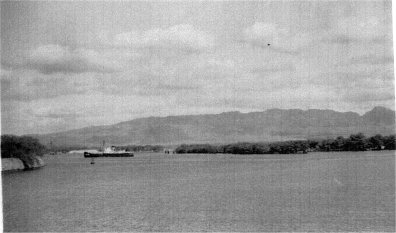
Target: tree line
355	142
141	148
24	148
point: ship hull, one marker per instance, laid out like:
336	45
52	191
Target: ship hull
95	155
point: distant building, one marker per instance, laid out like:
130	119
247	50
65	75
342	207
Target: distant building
169	151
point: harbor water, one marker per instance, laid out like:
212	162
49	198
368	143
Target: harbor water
342	191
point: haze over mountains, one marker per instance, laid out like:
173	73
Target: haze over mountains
269	125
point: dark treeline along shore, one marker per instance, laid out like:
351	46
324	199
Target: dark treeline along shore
140	148
356	142
25	148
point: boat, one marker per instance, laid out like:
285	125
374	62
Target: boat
108	152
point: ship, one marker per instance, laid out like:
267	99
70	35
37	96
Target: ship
108	152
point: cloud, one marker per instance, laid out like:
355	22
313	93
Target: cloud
372	60
379	95
270	69
183	36
4	72
155	78
272	36
68	112
359	81
264	31
146	84
59	115
42	117
29	85
360	29
52	58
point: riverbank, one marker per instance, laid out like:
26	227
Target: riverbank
15	164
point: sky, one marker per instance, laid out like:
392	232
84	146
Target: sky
67	65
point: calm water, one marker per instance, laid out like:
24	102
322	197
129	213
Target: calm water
157	192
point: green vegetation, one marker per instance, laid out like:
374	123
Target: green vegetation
356	142
24	148
138	148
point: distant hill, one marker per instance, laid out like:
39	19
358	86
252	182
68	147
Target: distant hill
270	125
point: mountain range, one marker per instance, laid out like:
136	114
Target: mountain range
269	125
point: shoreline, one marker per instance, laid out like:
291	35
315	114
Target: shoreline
15	164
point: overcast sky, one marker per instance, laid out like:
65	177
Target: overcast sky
67	65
